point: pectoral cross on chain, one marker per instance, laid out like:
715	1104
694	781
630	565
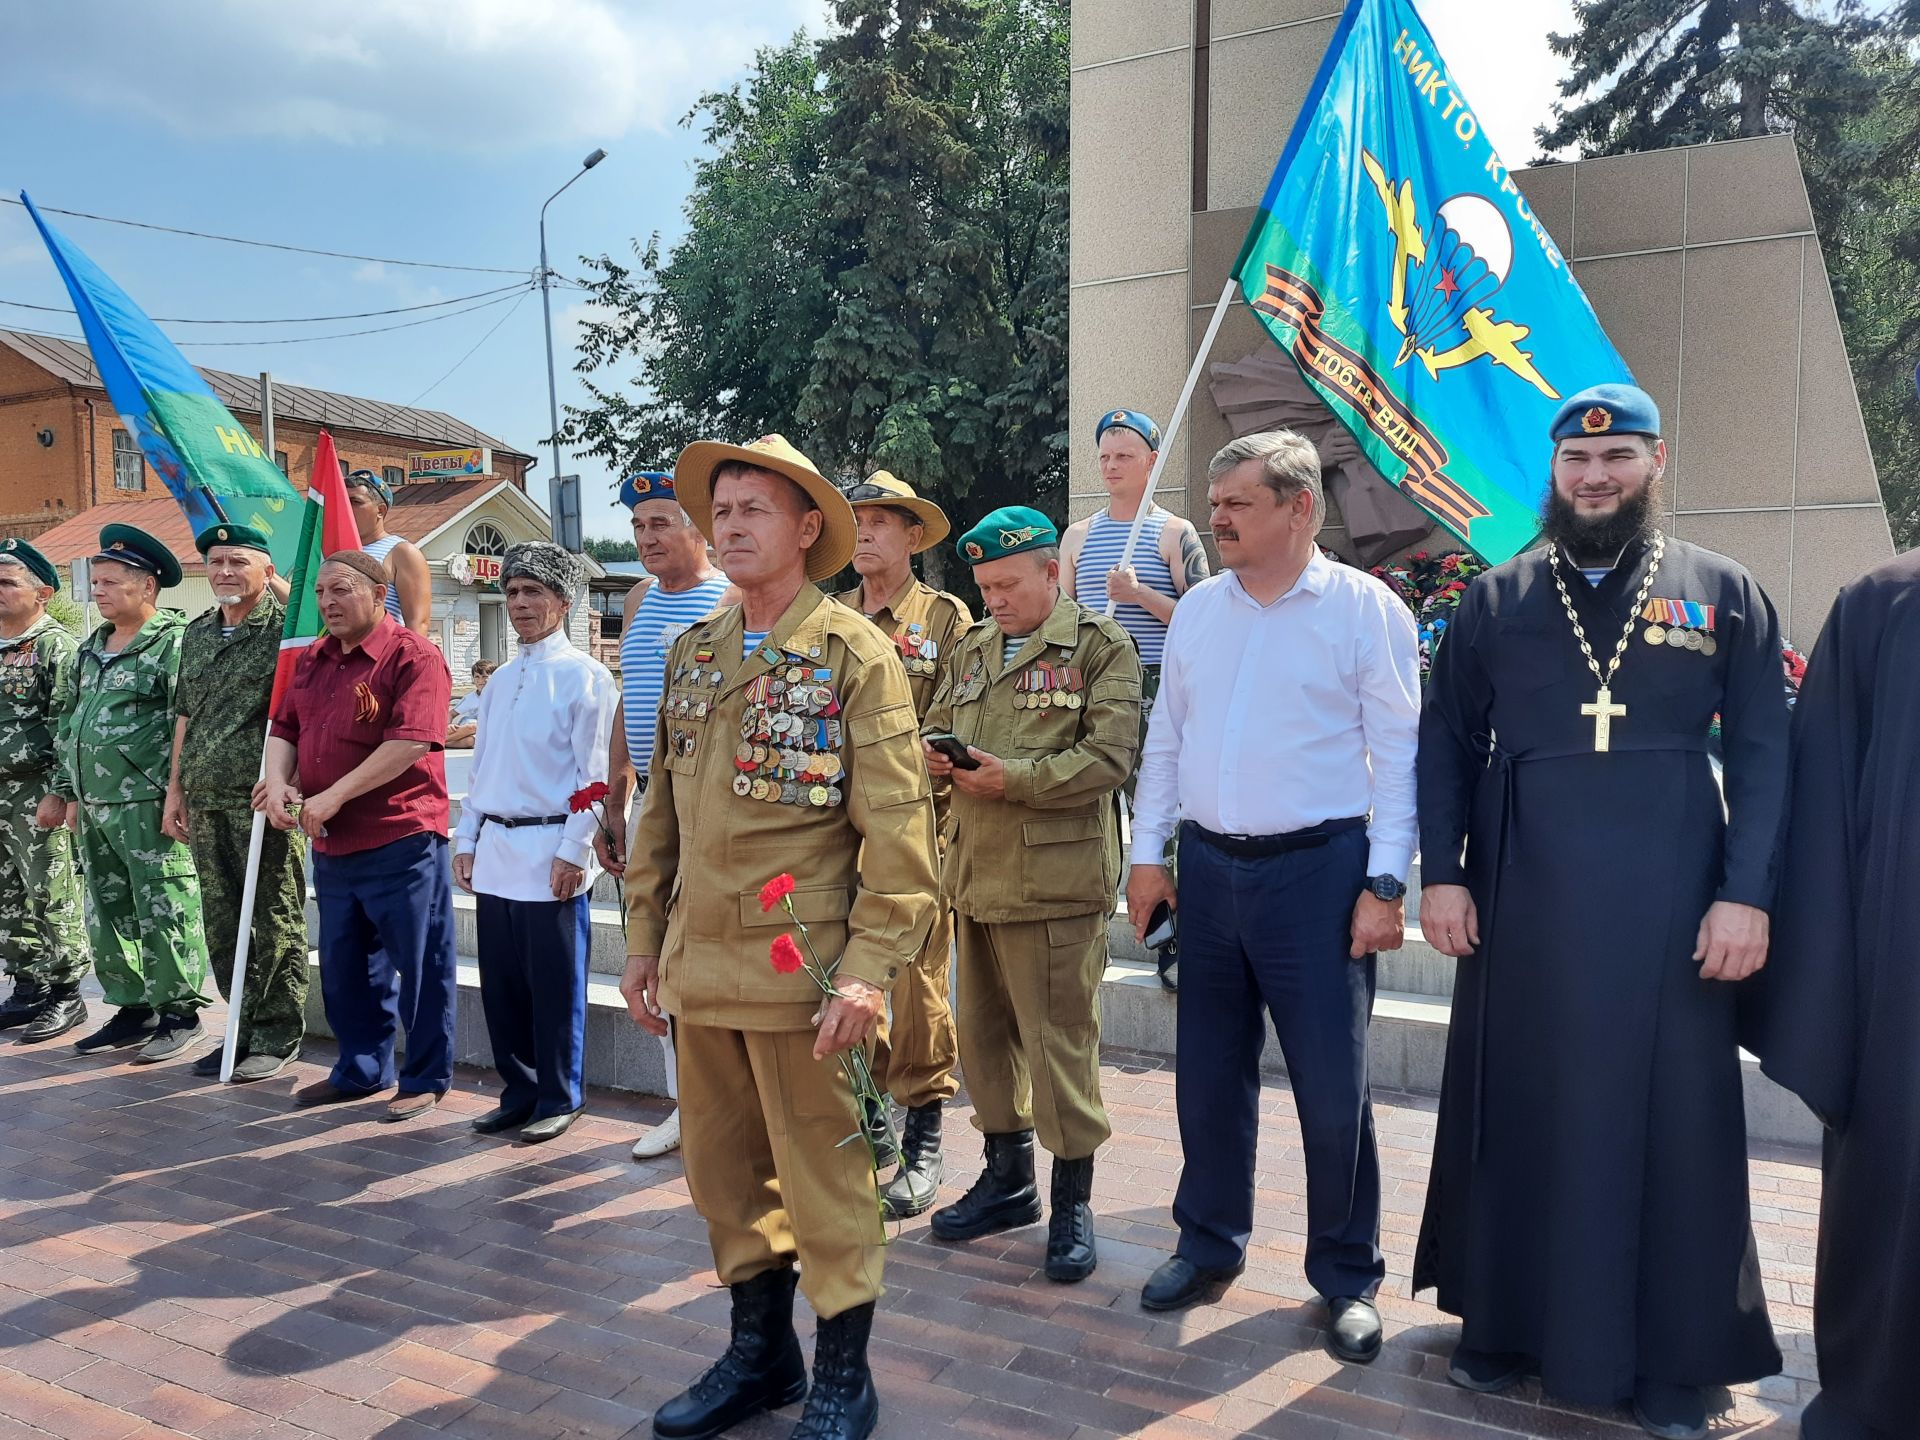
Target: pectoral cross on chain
1604	712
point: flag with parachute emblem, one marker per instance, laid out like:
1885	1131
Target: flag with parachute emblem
1398	264
211	466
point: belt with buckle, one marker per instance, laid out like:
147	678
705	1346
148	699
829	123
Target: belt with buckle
1253	847
514	822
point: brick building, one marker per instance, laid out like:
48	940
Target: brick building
63	449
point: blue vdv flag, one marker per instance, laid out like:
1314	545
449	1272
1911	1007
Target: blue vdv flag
1399	265
212	467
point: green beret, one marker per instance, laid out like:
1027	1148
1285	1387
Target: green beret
226	533
21	553
1007	531
130	545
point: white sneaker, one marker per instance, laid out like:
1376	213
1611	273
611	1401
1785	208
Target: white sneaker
658	1141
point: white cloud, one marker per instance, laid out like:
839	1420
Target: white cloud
1497	50
465	74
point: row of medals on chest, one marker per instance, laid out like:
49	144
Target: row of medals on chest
917	650
1044	686
1681	624
789	741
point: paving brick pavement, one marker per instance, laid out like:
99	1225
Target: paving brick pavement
182	1259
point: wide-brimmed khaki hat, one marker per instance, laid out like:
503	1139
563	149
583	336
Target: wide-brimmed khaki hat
693	478
884	488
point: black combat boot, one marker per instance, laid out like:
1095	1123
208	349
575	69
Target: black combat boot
59	1012
24	1005
1003	1197
761	1369
842	1404
877	1116
1070	1252
917	1185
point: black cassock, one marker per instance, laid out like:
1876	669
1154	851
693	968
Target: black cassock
1588	1200
1840	999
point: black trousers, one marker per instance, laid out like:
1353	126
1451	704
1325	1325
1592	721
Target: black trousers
1273	933
533	988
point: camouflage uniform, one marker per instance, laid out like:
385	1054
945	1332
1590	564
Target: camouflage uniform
143	916
40	935
225	683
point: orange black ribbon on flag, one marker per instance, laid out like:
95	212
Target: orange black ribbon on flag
1294	303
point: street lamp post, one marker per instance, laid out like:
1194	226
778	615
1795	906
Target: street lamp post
546	304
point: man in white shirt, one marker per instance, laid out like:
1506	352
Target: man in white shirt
1283	745
526	852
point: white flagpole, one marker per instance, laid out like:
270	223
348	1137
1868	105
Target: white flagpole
236	992
1173	429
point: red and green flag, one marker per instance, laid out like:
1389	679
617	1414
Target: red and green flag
210	464
326	528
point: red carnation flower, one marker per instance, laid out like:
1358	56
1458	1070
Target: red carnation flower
785	954
774	891
587	798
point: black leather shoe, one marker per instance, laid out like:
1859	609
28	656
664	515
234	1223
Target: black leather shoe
207	1067
762	1368
1002	1198
1071	1255
1179	1282
922	1167
501	1118
24	1005
1672	1412
1486	1372
842	1404
549	1127
1353	1329
133	1025
878	1115
57	1016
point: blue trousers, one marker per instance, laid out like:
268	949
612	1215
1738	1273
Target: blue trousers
386	962
1273	933
533	986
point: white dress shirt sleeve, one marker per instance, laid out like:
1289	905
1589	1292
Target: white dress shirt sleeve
466	835
1156	798
1390	720
592	731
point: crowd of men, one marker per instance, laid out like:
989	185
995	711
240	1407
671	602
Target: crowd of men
939	797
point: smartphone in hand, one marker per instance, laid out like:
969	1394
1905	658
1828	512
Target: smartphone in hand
950	746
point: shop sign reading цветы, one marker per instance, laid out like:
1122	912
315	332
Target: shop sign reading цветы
450	464
474	569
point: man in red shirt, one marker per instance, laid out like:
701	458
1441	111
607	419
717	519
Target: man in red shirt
355	761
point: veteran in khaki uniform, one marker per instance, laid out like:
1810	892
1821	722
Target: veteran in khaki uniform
786	742
40	936
143	911
1045	695
915	1052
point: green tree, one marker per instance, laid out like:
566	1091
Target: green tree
874	264
615	550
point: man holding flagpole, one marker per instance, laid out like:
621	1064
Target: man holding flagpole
227	663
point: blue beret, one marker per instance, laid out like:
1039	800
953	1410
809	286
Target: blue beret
1007	531
21	553
1607	410
130	545
372	482
647	485
1128	420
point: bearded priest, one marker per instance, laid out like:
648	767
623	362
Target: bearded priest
1587	1216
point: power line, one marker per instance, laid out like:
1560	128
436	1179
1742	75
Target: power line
292	319
470	354
315	339
269	244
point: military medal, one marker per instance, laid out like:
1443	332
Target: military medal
1603	711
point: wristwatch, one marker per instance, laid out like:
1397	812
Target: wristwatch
1386	887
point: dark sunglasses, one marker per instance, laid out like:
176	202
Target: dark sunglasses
866	490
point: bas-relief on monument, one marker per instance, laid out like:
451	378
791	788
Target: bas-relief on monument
1701	262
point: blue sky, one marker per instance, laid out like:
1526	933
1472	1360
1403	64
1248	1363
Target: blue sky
430	130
